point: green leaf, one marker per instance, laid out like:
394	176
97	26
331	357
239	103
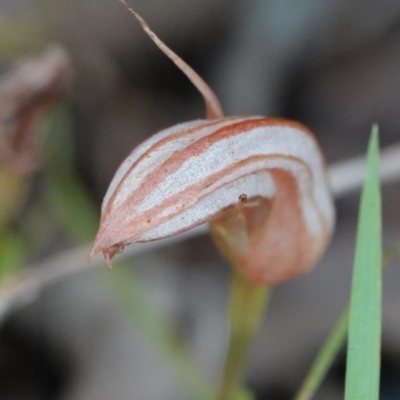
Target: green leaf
363	353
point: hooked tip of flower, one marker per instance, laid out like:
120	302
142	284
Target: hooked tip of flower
108	252
111	251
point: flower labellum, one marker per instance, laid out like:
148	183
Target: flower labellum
260	182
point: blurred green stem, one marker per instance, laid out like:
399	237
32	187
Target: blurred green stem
247	303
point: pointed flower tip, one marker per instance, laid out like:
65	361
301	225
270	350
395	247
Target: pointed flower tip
108	262
93	251
111	251
108	252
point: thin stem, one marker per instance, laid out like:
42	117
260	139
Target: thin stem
212	103
247	303
325	358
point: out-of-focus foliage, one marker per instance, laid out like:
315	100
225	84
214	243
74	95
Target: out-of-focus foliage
21	35
41	196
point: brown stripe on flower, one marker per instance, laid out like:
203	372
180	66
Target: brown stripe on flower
154	178
128	229
175	136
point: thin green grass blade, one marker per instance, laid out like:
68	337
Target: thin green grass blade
325	358
363	353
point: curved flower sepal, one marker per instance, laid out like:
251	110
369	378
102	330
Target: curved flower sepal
197	171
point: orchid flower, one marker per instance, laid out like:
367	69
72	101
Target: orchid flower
260	182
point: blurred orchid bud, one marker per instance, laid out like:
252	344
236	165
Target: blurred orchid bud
260	182
26	92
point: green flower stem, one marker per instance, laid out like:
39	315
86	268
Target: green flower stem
247	303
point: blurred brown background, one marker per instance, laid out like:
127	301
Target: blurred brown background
333	65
